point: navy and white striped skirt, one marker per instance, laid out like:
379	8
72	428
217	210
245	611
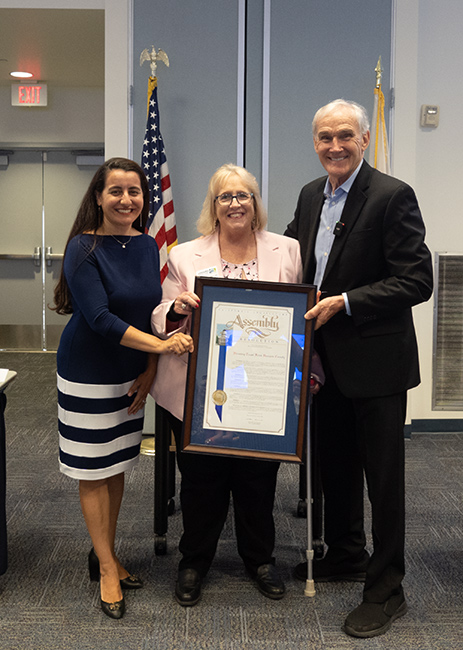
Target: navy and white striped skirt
97	437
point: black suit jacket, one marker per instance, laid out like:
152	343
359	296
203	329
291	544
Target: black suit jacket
381	261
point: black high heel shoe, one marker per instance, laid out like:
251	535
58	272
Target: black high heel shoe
93	566
113	610
130	582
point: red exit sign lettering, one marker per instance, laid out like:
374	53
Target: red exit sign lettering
29	94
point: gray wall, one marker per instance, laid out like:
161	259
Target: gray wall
428	67
318	51
197	93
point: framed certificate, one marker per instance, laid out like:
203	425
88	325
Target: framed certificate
249	375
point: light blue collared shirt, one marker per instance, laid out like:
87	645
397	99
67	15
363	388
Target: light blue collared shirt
330	215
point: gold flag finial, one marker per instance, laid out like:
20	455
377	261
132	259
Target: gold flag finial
379	72
153	57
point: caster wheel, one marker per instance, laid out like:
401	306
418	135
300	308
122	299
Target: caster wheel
160	545
171	507
301	509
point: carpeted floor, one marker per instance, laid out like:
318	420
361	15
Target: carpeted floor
47	602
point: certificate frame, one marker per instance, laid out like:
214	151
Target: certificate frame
257	409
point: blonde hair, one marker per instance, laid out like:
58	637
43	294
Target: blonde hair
207	222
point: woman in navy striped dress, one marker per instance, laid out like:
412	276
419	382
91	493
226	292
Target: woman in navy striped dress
107	358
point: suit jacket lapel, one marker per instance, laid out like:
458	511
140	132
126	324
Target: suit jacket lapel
269	258
352	209
207	255
316	209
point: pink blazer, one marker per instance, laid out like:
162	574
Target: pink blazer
279	260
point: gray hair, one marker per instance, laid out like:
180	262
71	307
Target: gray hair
207	221
358	110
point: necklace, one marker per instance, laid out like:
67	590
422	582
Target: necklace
123	244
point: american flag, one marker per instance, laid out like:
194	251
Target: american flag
161	218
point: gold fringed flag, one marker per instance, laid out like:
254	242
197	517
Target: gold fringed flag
161	218
379	149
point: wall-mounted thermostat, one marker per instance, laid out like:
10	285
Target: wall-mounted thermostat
429	115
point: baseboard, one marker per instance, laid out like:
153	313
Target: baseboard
434	426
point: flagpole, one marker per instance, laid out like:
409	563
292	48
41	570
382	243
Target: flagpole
379	73
147	447
161	220
379	148
376	117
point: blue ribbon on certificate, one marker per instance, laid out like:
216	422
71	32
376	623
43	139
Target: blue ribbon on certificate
219	394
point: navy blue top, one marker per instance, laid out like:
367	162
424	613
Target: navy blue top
112	288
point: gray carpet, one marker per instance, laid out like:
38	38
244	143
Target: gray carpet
47	602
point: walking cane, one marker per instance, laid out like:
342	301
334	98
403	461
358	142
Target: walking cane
310	584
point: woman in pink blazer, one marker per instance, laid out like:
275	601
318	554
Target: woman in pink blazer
235	245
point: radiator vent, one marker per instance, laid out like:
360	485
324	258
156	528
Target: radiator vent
448	334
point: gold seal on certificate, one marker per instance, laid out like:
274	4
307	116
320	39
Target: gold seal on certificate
219	397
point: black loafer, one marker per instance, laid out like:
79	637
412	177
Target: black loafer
326	571
269	582
372	619
188	587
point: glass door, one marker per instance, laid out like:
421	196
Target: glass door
41	192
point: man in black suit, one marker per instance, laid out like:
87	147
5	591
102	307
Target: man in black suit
362	243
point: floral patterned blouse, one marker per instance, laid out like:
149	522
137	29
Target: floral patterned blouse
246	271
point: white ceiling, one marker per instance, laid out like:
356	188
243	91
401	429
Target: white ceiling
61	47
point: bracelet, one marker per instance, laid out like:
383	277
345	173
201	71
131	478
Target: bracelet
173	316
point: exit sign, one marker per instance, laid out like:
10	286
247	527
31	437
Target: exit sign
29	94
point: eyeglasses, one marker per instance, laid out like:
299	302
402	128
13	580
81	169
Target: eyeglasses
241	197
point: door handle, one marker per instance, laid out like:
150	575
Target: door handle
36	256
52	257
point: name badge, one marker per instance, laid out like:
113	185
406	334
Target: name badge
211	272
